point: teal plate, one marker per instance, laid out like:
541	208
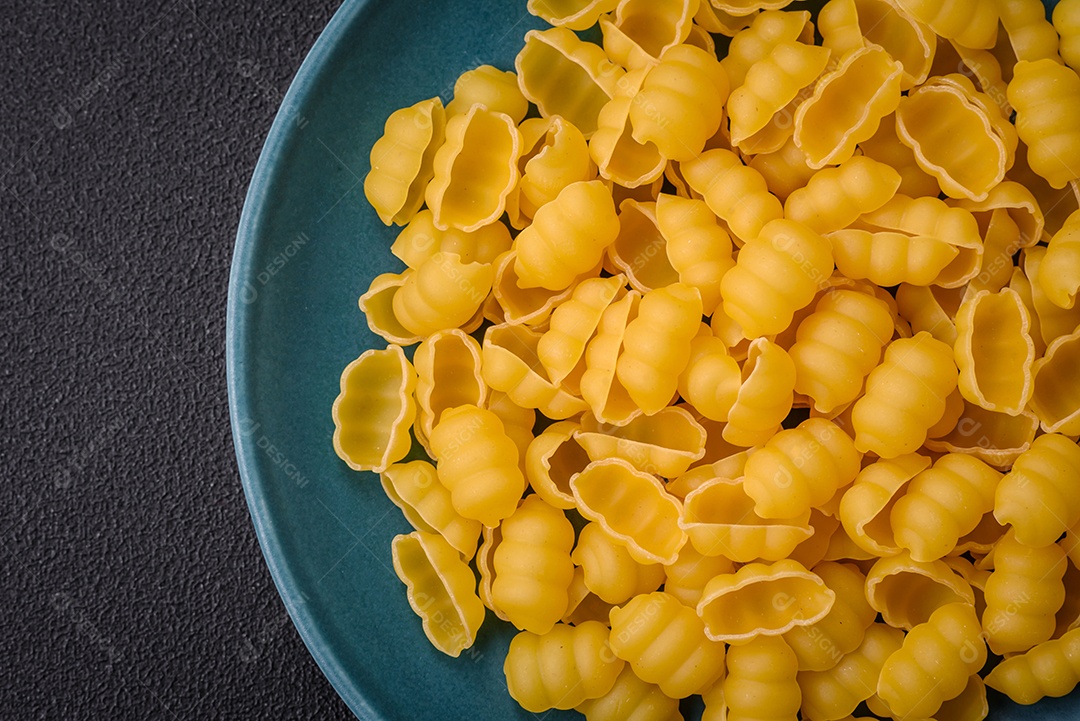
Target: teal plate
307	247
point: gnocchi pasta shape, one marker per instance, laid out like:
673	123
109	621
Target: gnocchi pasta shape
833	694
1048	669
447	367
1040	496
762	681
994	351
907	593
736	193
834	198
765	396
443	293
823	645
698	249
1055	398
609	570
1046	97
664	444
414	488
495	89
402	160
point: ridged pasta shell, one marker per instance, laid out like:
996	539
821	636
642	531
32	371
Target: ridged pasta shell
414	488
1056	397
447	375
377	305
994	352
510	365
643	29
996	438
906	592
551	461
402	160
640	250
867	504
664	444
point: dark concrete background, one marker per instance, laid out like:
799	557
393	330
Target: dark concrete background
133	586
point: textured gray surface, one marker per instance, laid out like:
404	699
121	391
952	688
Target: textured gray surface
133	586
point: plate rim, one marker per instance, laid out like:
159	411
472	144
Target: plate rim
237	330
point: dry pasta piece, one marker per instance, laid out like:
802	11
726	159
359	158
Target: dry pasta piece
1023	593
698	249
566	76
711	379
440	588
551	459
800	468
1056	204
766	600
442	293
771	83
719	519
420	239
618	155
1046	97
531	306
664	444
1053	320
643	30
994	351
783	248
584	605
561	668
631	699
821	646
765	396
851	24
685	579
574	14
1040	496
761	681
377	305
1051	668
532	566
1066	21
835	197
934	663
943	504
562	348
475	169
510	365
930	119
907	593
713	20
865	508
681	102
656	345
890	258
812	551
567	236
971	23
767	30
600	386
905	396
785	170
929	309
632	507
1056	398
730	466
736	193
374	410
610	571
447	375
1000	242
1031	35
885	147
665	643
1059	272
555	156
847	105
402	160
517	422
495	89
834	693
414	488
838	345
996	438
640	250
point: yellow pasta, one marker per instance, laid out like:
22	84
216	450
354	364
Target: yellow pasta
618	156
374	410
600	386
562	348
447	375
555	156
681	102
509	364
531	306
847	25
821	646
656	345
532	566
1056	396
486	486
377	305
442	293
800	468
698	249
561	668
610	571
1046	97
567	236
640	249
685	579
847	105
420	239
631	699
971	23
711	379
890	258
767	30
1053	320
929	309
1059	272
994	351
765	396
1031	35
736	193
664	444
1023	593
833	694
865	508
943	504
784	247
785	170
905	396
566	76
996	438
838	345
517	421
414	488
885	147
402	160
631	506
665	643
551	459
719	519
934	662
1040	496
1051	668
574	14
1067	23
762	681
760	599
907	593
441	589
642	30
835	197
495	89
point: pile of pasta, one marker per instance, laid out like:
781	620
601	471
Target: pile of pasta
755	377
